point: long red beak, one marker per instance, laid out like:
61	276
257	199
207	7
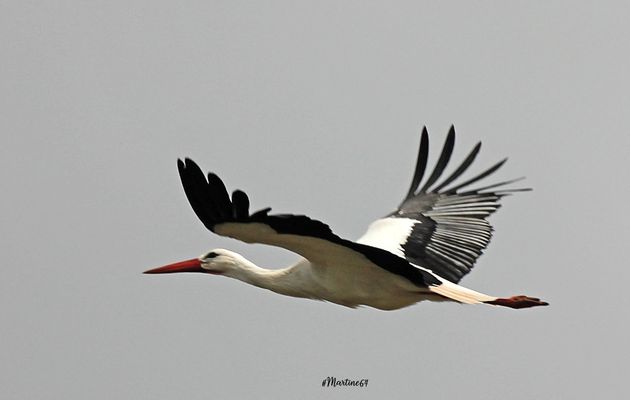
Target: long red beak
193	265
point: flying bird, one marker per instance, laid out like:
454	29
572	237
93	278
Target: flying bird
418	252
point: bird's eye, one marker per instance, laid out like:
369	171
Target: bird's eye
212	254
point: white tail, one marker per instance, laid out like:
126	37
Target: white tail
467	296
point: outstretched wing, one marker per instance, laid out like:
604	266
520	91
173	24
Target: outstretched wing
311	239
443	229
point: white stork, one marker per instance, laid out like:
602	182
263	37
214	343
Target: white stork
418	252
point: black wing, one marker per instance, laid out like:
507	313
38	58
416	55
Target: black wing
443	229
312	239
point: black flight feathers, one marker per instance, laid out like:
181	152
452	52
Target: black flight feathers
451	230
440	166
210	201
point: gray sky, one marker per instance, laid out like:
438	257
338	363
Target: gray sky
312	108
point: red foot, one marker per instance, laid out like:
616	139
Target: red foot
518	302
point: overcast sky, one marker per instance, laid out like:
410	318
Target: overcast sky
315	108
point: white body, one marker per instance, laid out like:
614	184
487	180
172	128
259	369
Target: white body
357	282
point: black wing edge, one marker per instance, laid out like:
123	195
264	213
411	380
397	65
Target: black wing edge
210	201
452	231
441	165
209	198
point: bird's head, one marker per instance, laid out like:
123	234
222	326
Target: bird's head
216	262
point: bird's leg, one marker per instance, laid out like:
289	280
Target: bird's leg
518	302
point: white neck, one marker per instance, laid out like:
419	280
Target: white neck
288	281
